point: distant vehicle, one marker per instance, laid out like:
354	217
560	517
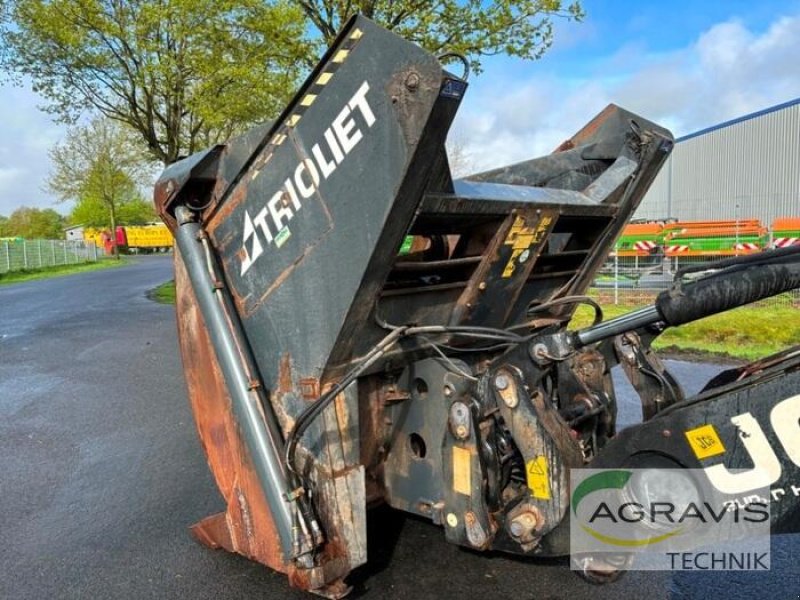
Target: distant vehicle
705	239
133	239
786	232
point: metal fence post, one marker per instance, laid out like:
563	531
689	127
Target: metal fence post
53	248
39	248
8	258
25	254
94	252
66	258
616	279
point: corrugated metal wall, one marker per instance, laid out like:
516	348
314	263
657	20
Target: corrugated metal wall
746	169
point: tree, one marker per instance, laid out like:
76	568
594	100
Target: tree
97	165
473	28
459	158
92	212
4	232
183	74
34	223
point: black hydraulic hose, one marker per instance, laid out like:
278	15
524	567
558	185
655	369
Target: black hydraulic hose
734	286
724	291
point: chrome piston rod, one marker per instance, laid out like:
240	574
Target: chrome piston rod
632	320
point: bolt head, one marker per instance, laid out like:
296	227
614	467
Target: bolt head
501	382
452	520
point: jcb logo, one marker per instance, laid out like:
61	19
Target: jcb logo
785	422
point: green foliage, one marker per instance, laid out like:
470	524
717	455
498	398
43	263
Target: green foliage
183	74
91	212
100	168
473	28
33	223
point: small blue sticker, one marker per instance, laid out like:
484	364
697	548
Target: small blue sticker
453	88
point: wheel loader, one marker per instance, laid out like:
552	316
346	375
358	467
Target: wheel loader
357	327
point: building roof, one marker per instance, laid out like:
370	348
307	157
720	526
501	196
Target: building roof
724	124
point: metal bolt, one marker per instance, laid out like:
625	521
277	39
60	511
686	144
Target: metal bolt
448	390
452	520
523	524
501	382
482	285
412	81
462	432
469	518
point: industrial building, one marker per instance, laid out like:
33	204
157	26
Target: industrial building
746	168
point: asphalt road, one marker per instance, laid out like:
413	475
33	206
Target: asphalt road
101	474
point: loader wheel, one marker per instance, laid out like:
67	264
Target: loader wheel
601	568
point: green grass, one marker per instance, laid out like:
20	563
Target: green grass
744	333
165	293
748	332
58	271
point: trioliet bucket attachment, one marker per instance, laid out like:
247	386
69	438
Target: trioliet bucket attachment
357	327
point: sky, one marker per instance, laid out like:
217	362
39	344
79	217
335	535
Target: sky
684	64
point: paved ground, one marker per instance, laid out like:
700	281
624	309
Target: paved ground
101	473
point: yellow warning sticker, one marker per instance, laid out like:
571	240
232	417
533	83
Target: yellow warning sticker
705	442
538	477
462	471
521	238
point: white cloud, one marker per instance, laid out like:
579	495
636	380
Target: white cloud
728	71
26	136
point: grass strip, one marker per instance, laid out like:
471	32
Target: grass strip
744	333
23	275
164	293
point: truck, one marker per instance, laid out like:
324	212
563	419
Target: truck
358	327
153	237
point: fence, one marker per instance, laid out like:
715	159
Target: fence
637	280
16	255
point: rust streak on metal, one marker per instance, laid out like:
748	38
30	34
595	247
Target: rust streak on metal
246	526
236	197
309	388
285	385
248	309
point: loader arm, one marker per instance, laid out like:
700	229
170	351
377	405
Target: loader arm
357	327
